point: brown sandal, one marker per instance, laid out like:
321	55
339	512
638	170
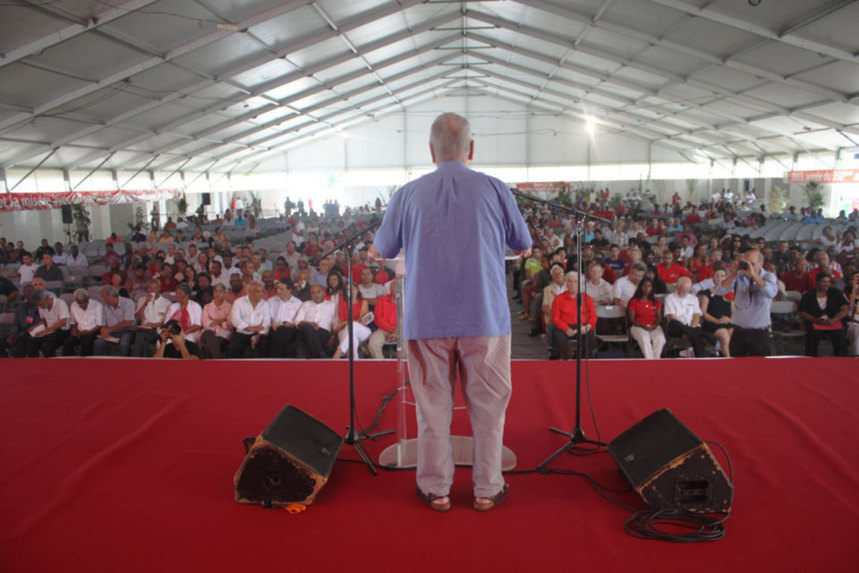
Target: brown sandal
430	498
494	500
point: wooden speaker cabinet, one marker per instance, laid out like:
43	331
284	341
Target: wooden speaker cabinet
289	461
670	467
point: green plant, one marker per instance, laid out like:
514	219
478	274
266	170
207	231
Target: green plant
139	221
82	222
814	194
691	185
256	204
778	200
385	197
615	201
659	186
564	195
182	206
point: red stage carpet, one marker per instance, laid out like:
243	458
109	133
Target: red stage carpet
120	465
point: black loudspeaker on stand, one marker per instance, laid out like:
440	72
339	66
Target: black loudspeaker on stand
288	462
67	214
670	467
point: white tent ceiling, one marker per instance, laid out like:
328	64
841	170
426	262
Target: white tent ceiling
222	85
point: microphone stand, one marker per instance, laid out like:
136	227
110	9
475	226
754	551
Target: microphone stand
353	438
577	435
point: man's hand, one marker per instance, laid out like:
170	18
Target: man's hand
526	253
373	253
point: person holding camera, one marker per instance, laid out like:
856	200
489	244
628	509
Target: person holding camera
173	343
754	291
189	315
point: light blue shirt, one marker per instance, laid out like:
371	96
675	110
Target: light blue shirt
453	225
751	302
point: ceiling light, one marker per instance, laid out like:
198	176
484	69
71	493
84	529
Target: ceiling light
590	125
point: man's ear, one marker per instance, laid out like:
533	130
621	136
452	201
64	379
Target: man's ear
471	150
432	154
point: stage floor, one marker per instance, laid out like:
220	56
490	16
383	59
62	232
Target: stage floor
127	465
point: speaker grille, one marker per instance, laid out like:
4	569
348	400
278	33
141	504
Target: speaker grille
271	477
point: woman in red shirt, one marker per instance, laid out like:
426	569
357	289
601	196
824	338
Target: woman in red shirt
644	313
360	332
566	320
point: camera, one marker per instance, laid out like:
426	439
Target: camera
173	327
743	265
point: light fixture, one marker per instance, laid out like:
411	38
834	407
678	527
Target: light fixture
590	125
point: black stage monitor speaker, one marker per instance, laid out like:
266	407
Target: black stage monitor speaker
67	214
289	462
670	467
207	199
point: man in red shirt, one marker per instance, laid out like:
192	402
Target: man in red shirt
823	266
385	317
669	271
798	279
566	320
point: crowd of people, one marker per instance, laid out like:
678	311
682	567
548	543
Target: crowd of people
202	298
677	272
690	273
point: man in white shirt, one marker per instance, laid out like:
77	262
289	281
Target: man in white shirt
85	316
76	259
553	240
315	321
49	333
369	289
150	314
624	287
219	277
597	287
251	317
26	271
171	254
684	317
284	328
60	258
291	256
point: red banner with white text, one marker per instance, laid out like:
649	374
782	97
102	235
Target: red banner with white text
38	201
823	176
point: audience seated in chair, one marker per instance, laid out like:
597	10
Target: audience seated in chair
150	315
852	318
284	329
360	331
217	328
566	320
385	319
117	325
251	319
824	311
644	312
717	311
50	331
86	320
684	317
316	319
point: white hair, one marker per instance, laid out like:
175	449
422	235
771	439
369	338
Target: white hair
450	137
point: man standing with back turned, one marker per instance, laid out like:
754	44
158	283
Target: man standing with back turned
453	225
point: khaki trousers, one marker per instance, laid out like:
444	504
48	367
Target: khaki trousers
483	364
